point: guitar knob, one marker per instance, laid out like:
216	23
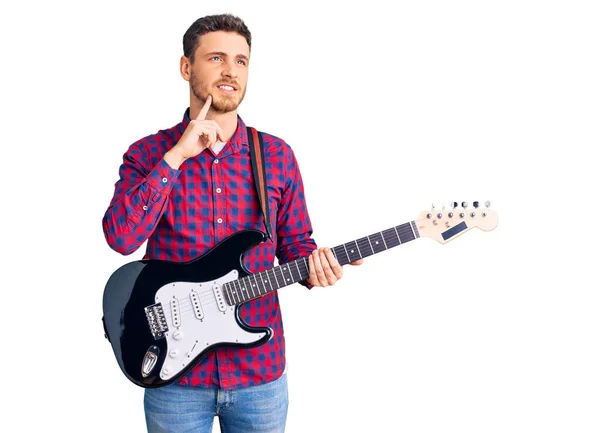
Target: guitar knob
178	335
174	353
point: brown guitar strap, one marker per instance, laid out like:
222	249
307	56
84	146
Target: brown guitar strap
257	157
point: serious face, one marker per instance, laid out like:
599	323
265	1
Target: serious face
220	69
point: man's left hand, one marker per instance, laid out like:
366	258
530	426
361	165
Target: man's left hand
324	268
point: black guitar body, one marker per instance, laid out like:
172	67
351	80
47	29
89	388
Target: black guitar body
161	318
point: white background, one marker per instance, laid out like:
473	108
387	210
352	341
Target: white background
387	111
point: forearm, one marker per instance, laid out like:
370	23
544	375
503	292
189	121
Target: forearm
134	212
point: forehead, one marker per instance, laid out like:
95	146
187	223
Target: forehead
227	42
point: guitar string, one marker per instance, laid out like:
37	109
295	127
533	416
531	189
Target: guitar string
361	243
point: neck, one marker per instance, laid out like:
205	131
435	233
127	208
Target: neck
227	121
259	284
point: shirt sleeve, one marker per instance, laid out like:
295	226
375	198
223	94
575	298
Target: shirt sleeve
294	228
140	199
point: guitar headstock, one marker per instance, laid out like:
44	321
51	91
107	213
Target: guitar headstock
444	225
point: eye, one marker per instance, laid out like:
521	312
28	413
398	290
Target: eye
243	62
214	57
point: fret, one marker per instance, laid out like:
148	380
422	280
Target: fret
290	278
406	233
415	231
246	291
371	245
358	249
397	236
241	291
258	285
269	279
305	272
299	273
285	283
353	251
252	285
364	247
377	241
383	240
277	280
227	292
340	257
390	238
347	255
235	293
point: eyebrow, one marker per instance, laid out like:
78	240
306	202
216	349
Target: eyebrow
221	53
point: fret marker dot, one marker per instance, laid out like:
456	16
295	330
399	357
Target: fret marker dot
376	242
288	279
351	251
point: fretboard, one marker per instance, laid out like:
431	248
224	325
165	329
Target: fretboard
261	283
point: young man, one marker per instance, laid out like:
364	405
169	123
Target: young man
188	187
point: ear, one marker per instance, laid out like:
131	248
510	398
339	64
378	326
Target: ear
184	68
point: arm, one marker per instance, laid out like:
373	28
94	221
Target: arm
293	224
140	199
142	192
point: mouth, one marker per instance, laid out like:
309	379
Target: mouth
227	89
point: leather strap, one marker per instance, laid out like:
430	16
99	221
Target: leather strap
257	158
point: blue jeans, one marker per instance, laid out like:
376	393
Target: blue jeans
175	409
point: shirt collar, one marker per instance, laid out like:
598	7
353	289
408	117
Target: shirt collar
239	137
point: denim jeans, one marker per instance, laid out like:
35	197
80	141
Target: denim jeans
174	408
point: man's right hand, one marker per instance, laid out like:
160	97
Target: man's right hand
199	134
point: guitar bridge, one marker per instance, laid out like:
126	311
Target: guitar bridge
156	320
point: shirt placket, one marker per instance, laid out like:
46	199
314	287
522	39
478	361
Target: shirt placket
219	222
220	209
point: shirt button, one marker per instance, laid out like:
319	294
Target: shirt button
216	161
164	179
218	190
145	207
219	220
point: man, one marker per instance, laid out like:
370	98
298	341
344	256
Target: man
185	189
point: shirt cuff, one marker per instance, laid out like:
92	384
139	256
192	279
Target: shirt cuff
162	176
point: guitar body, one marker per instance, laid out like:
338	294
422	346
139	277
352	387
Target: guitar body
162	318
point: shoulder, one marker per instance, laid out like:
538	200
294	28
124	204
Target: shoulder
276	146
154	146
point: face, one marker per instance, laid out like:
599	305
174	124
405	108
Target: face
221	59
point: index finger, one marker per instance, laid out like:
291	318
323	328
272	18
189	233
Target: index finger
204	109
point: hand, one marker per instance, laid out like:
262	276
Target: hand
199	134
324	269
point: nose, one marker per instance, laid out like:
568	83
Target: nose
229	70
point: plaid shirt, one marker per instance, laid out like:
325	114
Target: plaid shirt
185	212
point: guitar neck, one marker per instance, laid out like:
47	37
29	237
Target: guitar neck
259	284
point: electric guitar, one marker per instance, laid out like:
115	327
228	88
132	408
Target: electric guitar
162	318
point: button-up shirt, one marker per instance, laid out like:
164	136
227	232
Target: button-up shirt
184	212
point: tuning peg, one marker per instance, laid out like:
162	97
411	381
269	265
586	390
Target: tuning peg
454	205
487	204
432	206
475	204
465	204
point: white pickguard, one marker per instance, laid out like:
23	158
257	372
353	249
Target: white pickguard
193	329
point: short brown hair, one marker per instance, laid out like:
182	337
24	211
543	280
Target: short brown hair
213	23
